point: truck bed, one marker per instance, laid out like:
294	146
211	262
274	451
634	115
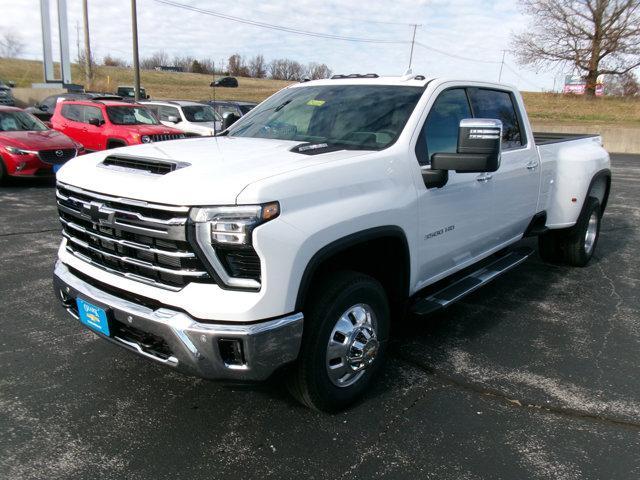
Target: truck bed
546	138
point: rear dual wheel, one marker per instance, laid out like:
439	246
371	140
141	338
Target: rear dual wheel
575	245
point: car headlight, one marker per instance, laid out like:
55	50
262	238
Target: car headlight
145	139
233	225
224	236
18	151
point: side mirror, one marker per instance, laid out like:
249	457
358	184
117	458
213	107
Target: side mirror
11	84
173	119
96	122
43	108
479	149
228	119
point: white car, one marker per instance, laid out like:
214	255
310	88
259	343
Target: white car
329	211
193	118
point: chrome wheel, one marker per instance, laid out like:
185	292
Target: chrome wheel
590	234
353	345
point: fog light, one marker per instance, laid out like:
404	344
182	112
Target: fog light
231	351
21	166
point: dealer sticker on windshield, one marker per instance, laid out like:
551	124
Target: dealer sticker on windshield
315	103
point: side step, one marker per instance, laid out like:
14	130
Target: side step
470	282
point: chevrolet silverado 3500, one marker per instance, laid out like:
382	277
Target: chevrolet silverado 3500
295	237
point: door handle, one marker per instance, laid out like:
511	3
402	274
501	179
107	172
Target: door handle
484	178
532	165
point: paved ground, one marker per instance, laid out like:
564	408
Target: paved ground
534	376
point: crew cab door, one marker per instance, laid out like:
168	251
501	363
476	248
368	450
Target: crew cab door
453	220
516	182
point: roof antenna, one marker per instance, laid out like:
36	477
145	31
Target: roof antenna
407	75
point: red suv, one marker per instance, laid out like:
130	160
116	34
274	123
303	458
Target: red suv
29	148
102	124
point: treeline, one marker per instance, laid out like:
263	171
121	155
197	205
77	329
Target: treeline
236	65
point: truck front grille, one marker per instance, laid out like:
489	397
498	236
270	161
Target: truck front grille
135	239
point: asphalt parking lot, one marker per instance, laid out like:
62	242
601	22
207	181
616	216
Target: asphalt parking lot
534	376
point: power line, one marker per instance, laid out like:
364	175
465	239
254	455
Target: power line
514	71
453	55
281	28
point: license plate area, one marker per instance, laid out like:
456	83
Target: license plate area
93	317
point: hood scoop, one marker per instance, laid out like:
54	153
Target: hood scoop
148	166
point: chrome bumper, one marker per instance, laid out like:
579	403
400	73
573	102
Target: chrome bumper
194	346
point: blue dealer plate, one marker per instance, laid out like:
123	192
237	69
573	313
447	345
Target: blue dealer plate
93	317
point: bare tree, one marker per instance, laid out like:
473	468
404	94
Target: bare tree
237	66
317	71
109	61
625	85
11	45
596	36
155	60
285	69
257	67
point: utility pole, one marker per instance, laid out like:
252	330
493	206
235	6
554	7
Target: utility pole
413	39
136	63
88	74
504	52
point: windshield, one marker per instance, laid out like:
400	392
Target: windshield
200	113
20	122
131	116
367	117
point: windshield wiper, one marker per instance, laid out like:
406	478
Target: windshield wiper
316	148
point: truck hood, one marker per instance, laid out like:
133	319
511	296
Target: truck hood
215	171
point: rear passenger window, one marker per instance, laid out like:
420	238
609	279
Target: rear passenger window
72	112
442	124
92	112
166	112
499	105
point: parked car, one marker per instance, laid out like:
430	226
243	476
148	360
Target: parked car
229	82
194	119
44	109
102	124
336	207
127	92
28	148
6	94
236	107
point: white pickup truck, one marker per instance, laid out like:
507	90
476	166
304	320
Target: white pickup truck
333	208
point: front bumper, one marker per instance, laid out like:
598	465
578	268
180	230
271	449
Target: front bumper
187	345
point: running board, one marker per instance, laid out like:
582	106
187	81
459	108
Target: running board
470	282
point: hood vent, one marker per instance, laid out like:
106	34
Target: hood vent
141	165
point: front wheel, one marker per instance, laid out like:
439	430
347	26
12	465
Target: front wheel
344	342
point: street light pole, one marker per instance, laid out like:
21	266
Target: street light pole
88	74
136	63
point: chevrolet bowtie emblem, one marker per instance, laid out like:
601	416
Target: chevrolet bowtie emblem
99	213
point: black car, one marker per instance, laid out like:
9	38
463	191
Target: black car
44	109
236	107
6	95
231	82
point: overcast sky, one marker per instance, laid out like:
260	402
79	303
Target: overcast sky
477	29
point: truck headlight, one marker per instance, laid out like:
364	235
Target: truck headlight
233	225
224	236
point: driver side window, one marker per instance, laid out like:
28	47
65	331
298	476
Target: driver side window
440	131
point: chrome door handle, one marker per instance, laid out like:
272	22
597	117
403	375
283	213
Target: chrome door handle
484	178
532	165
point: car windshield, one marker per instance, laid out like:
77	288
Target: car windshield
246	108
366	117
200	113
131	116
20	122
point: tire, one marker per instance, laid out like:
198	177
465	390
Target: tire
574	246
329	376
3	172
581	241
115	144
